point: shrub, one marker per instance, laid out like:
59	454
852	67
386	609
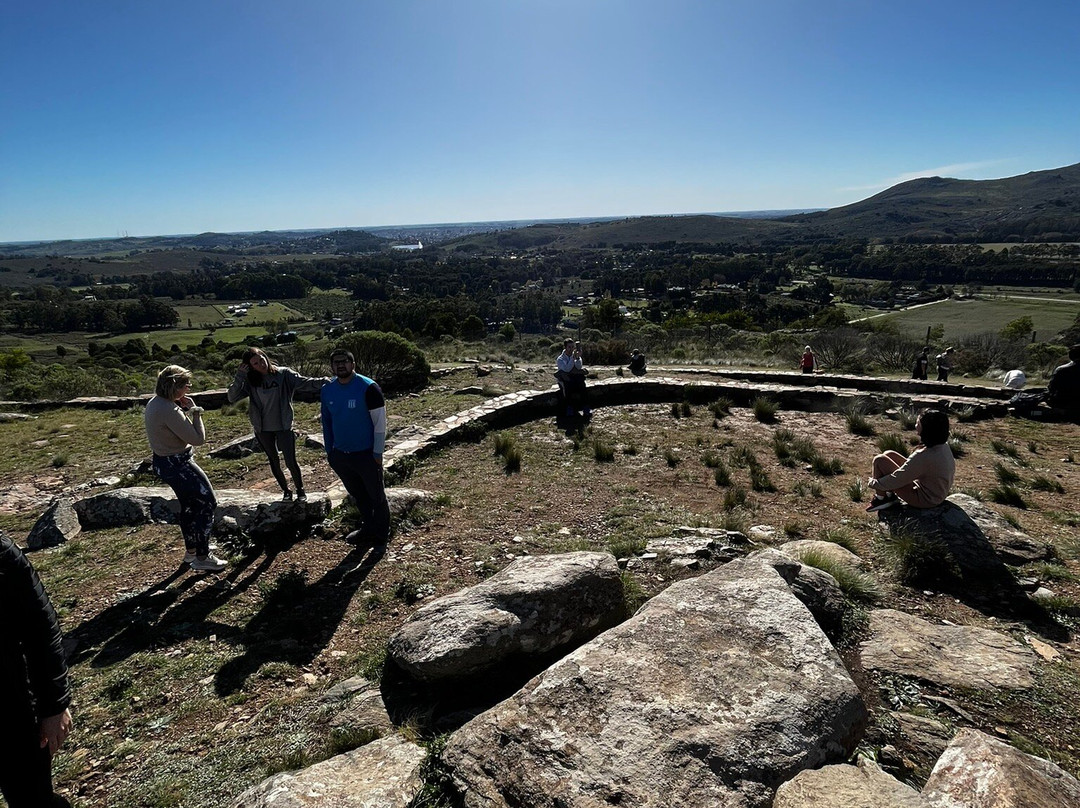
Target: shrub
711	459
854	584
759	480
856	489
721	408
391	360
1007	495
907	417
603	451
793	529
734	497
858	423
892	442
743	457
765	409
956	446
512	459
1044	483
626	546
722	476
826	468
672	457
675	411
841	536
502	444
59	460
920	560
1005	475
686	409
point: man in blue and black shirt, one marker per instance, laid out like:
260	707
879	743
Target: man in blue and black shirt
354	431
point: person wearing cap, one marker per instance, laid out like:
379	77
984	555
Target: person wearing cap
354	434
944	364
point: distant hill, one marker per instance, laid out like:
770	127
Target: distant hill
1038	206
701	229
267	242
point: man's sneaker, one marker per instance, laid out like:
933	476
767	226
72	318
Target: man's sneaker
286	496
880	503
301	495
190	556
209	563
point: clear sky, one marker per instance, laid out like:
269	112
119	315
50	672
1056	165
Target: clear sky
146	117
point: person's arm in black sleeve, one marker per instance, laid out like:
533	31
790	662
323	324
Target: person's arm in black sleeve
34	621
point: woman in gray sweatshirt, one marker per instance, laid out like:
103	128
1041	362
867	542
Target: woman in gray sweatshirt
270	390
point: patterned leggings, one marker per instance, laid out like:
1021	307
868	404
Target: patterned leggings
195	495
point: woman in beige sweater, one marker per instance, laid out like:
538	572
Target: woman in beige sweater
923	478
174	427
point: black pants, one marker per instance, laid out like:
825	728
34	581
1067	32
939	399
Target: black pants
284	440
26	768
363	479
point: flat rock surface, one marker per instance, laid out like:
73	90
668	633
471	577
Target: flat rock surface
1013	545
719	689
382	774
535	605
844	786
955	656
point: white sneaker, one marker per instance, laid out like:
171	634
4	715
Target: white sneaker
210	563
189	557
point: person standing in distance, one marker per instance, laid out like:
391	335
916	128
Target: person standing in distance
944	364
34	679
354	431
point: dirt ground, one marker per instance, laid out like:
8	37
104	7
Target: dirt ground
190	688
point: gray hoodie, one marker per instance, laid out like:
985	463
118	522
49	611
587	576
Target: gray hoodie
275	397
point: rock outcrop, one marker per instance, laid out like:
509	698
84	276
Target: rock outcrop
718	690
956	656
536	605
383	774
828	549
58	524
1013	545
977	771
864	785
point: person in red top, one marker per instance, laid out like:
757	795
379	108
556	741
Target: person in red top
808	361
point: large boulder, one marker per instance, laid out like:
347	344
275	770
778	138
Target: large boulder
253	512
59	523
536	605
977	771
718	690
817	589
864	785
1013	545
383	774
978	565
955	656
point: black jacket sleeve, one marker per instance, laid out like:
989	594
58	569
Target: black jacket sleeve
30	629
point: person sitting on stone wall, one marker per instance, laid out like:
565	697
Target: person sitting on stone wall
923	478
637	362
571	378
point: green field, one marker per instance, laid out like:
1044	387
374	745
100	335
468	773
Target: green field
980	315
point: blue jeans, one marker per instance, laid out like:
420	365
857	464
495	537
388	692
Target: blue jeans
195	495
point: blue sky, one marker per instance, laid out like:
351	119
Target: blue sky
143	117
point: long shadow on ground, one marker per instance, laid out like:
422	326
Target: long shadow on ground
296	622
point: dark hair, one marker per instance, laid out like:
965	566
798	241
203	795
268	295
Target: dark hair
567	341
935	427
342	352
1074	353
254	377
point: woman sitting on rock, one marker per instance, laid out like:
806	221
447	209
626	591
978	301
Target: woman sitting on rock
923	478
270	390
